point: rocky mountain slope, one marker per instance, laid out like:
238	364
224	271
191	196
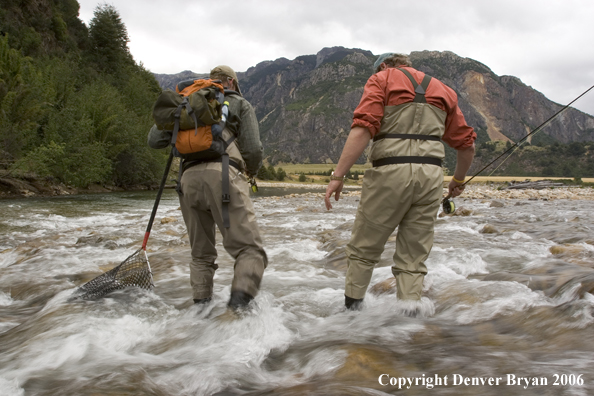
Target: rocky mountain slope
305	105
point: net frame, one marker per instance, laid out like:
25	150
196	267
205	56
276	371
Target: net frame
134	271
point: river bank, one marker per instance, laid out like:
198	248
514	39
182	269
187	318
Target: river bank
474	191
11	188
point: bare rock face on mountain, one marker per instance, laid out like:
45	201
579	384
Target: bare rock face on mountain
305	105
503	107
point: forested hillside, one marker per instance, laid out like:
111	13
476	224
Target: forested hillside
74	105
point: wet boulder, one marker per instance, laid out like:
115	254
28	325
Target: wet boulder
496	204
96	240
463	212
489	229
383	287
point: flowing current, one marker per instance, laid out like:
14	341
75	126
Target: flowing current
507	307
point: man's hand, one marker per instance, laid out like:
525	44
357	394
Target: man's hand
334	187
353	148
455	188
464	159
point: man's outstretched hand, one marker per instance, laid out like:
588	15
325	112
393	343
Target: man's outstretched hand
334	187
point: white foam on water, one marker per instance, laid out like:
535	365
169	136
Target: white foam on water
423	308
379	322
491	299
296	274
84	344
469	227
5	299
5	326
230	350
302	225
10	387
305	250
517	235
8	258
454	263
568	293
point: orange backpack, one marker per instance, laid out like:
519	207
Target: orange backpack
196	114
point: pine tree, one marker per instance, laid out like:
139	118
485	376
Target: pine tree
109	41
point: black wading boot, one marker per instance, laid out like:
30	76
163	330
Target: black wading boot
202	300
239	300
353	304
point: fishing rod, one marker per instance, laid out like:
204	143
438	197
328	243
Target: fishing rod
448	205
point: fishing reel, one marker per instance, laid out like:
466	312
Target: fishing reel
253	184
448	206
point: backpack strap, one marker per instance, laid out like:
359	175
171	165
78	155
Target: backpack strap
184	104
420	90
225	168
231	92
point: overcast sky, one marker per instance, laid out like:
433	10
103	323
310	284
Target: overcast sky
548	44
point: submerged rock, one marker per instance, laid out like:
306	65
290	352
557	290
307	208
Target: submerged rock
383	287
497	204
552	278
463	212
166	220
489	229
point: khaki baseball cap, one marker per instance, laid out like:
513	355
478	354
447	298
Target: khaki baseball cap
225	71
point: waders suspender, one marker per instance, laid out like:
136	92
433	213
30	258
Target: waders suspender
419	89
419	98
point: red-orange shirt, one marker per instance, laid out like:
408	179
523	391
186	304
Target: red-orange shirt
391	87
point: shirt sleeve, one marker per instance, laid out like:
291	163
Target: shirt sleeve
458	134
370	111
158	138
248	139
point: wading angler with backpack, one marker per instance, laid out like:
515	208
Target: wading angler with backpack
214	130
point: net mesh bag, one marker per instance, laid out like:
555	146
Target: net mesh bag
134	271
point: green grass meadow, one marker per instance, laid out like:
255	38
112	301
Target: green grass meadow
312	174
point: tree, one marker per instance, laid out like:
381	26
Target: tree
263	173
20	101
271	172
280	174
109	40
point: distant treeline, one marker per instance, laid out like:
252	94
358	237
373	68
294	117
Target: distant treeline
575	160
74	105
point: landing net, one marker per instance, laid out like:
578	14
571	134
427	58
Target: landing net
134	271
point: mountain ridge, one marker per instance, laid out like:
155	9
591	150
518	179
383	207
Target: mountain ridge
305	105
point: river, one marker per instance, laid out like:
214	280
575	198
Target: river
508	308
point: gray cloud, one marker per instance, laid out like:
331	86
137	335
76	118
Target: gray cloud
544	43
